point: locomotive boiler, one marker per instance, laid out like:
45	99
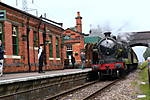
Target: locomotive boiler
112	57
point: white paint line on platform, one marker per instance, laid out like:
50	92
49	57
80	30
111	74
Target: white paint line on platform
40	77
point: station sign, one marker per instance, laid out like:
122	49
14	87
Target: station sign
2	14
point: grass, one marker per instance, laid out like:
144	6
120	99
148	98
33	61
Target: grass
143	76
143	65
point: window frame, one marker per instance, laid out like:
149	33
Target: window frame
35	39
15	40
51	46
2	32
57	48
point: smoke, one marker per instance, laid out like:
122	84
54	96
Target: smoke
125	37
100	29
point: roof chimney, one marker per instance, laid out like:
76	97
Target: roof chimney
78	13
79	22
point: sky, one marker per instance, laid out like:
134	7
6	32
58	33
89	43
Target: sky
127	15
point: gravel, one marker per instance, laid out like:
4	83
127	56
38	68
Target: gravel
123	90
80	94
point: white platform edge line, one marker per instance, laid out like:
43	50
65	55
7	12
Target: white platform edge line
39	77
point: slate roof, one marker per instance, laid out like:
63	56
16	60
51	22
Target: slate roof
93	39
30	15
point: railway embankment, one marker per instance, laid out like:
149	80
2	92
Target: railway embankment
144	85
134	87
126	89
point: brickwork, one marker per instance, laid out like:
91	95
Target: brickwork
75	38
79	22
19	63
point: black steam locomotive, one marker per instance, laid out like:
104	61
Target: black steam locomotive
111	57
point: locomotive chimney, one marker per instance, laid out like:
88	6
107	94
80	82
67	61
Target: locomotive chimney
107	34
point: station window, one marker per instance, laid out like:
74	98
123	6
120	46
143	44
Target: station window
50	47
57	47
35	39
1	31
69	47
15	39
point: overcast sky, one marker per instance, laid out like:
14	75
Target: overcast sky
131	15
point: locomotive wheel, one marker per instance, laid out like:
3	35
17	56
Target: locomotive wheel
118	73
99	75
93	75
122	73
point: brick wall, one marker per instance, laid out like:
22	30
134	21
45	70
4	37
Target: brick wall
75	38
77	45
19	63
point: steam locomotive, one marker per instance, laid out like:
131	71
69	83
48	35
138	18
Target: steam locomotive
112	57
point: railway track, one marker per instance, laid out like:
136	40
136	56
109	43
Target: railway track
89	97
80	91
64	93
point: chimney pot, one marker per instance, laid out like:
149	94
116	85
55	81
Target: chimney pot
78	22
78	13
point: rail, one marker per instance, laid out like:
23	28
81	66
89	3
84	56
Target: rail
89	97
69	91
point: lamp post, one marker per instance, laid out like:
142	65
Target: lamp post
44	38
148	71
44	41
45	21
148	59
149	75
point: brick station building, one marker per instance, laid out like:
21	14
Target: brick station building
21	34
74	41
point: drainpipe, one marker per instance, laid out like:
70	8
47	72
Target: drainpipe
28	31
44	41
39	31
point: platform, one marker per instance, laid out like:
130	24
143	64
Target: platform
37	86
18	77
